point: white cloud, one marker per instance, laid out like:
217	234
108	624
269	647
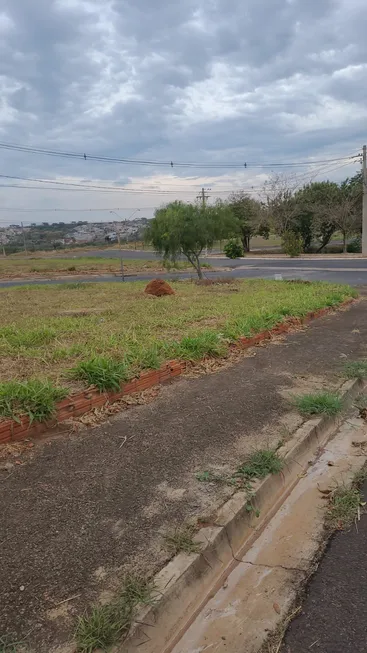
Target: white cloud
194	81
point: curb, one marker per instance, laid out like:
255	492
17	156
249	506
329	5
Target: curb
188	581
81	403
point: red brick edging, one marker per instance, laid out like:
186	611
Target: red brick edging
78	404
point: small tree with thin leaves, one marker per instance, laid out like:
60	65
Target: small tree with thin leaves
187	229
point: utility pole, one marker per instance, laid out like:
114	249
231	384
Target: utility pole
364	201
119	241
24	242
203	197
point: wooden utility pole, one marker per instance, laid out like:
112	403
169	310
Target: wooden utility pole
364	201
203	197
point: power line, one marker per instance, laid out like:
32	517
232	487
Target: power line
118	208
93	187
171	164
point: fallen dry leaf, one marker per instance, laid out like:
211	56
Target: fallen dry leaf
276	607
324	490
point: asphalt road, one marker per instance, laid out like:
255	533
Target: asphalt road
334	614
352	271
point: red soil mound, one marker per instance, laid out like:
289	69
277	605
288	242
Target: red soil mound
159	288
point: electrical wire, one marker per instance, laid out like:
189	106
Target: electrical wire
113	189
171	164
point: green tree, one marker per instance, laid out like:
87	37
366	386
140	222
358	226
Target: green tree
187	229
250	217
316	203
281	205
347	213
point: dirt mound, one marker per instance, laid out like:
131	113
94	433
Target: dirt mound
159	288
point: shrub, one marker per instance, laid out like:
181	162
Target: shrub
355	245
233	249
292	244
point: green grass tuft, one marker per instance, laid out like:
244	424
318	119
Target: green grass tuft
34	398
8	644
210	477
206	343
319	403
102	627
105	625
259	464
17	339
356	370
344	507
181	539
104	373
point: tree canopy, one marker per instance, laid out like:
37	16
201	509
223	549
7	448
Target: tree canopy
250	217
180	228
316	211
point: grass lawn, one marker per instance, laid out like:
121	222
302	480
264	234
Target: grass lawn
46	331
14	267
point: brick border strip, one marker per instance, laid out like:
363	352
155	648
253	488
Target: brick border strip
79	404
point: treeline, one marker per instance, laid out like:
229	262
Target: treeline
305	218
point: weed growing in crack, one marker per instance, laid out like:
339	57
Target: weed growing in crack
355	370
8	644
344	507
259	464
210	477
104	625
180	539
361	405
319	403
360	477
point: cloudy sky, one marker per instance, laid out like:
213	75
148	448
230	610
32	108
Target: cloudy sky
209	82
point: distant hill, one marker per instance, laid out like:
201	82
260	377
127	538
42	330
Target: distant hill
57	235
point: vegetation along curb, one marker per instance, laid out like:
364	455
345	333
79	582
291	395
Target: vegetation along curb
79	404
186	583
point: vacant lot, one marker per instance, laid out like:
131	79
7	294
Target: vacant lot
42	266
46	331
80	510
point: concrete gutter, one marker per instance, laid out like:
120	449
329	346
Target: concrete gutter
188	582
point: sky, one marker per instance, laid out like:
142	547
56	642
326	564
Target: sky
215	83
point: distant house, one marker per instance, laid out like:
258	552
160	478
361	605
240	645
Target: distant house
111	237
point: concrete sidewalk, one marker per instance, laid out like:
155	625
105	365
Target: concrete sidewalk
82	508
334	614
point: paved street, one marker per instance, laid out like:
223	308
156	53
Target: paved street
334	614
351	271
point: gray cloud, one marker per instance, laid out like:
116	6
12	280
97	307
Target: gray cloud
214	80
